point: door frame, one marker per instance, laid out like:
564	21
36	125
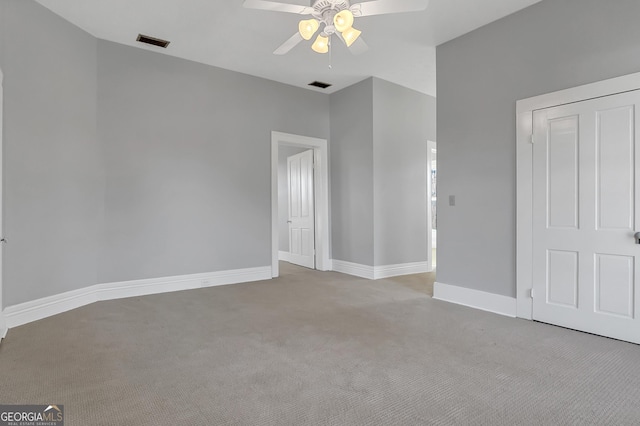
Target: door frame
3	323
321	196
431	146
524	174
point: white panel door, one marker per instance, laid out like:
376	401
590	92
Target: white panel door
301	209
585	199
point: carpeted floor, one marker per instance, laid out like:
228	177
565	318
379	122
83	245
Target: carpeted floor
422	283
315	348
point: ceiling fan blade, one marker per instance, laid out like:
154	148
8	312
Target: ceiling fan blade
381	7
357	48
277	7
289	44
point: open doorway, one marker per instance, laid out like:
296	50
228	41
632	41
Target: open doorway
283	141
432	198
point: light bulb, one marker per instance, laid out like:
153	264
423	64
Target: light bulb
321	45
343	20
308	28
350	35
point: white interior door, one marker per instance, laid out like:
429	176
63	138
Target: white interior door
585	199
301	209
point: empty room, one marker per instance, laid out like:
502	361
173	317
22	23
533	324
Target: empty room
224	212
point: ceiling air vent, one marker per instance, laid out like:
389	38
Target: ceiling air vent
320	84
152	40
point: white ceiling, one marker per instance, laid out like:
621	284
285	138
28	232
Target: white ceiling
224	34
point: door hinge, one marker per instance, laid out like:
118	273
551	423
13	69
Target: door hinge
531	293
531	139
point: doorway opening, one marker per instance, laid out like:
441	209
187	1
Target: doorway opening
432	198
282	142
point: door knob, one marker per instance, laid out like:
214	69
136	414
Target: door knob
637	237
290	222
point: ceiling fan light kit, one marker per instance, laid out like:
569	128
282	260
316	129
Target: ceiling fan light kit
350	35
308	28
343	20
321	45
337	16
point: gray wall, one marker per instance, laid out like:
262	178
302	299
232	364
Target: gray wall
122	164
403	121
550	46
351	154
53	181
187	151
283	193
379	134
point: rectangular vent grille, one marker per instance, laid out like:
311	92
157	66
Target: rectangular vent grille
320	84
152	40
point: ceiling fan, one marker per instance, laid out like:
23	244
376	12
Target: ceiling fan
336	18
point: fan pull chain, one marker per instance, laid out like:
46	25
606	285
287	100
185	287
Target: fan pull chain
329	44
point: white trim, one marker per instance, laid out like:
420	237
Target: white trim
379	272
321	181
598	89
524	155
484	301
431	146
42	308
355	269
3	327
284	256
3	323
388	271
35	310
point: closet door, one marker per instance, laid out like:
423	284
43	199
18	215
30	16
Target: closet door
585	215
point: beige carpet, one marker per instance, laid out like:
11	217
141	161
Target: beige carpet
422	283
314	348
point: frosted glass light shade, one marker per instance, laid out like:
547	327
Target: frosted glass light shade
321	45
308	27
351	35
343	20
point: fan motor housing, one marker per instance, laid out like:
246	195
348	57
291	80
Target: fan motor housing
325	10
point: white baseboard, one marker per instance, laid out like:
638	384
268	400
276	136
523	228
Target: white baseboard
284	256
355	269
378	272
27	312
388	271
35	310
490	302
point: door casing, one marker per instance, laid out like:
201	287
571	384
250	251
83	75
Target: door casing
3	323
431	148
524	174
